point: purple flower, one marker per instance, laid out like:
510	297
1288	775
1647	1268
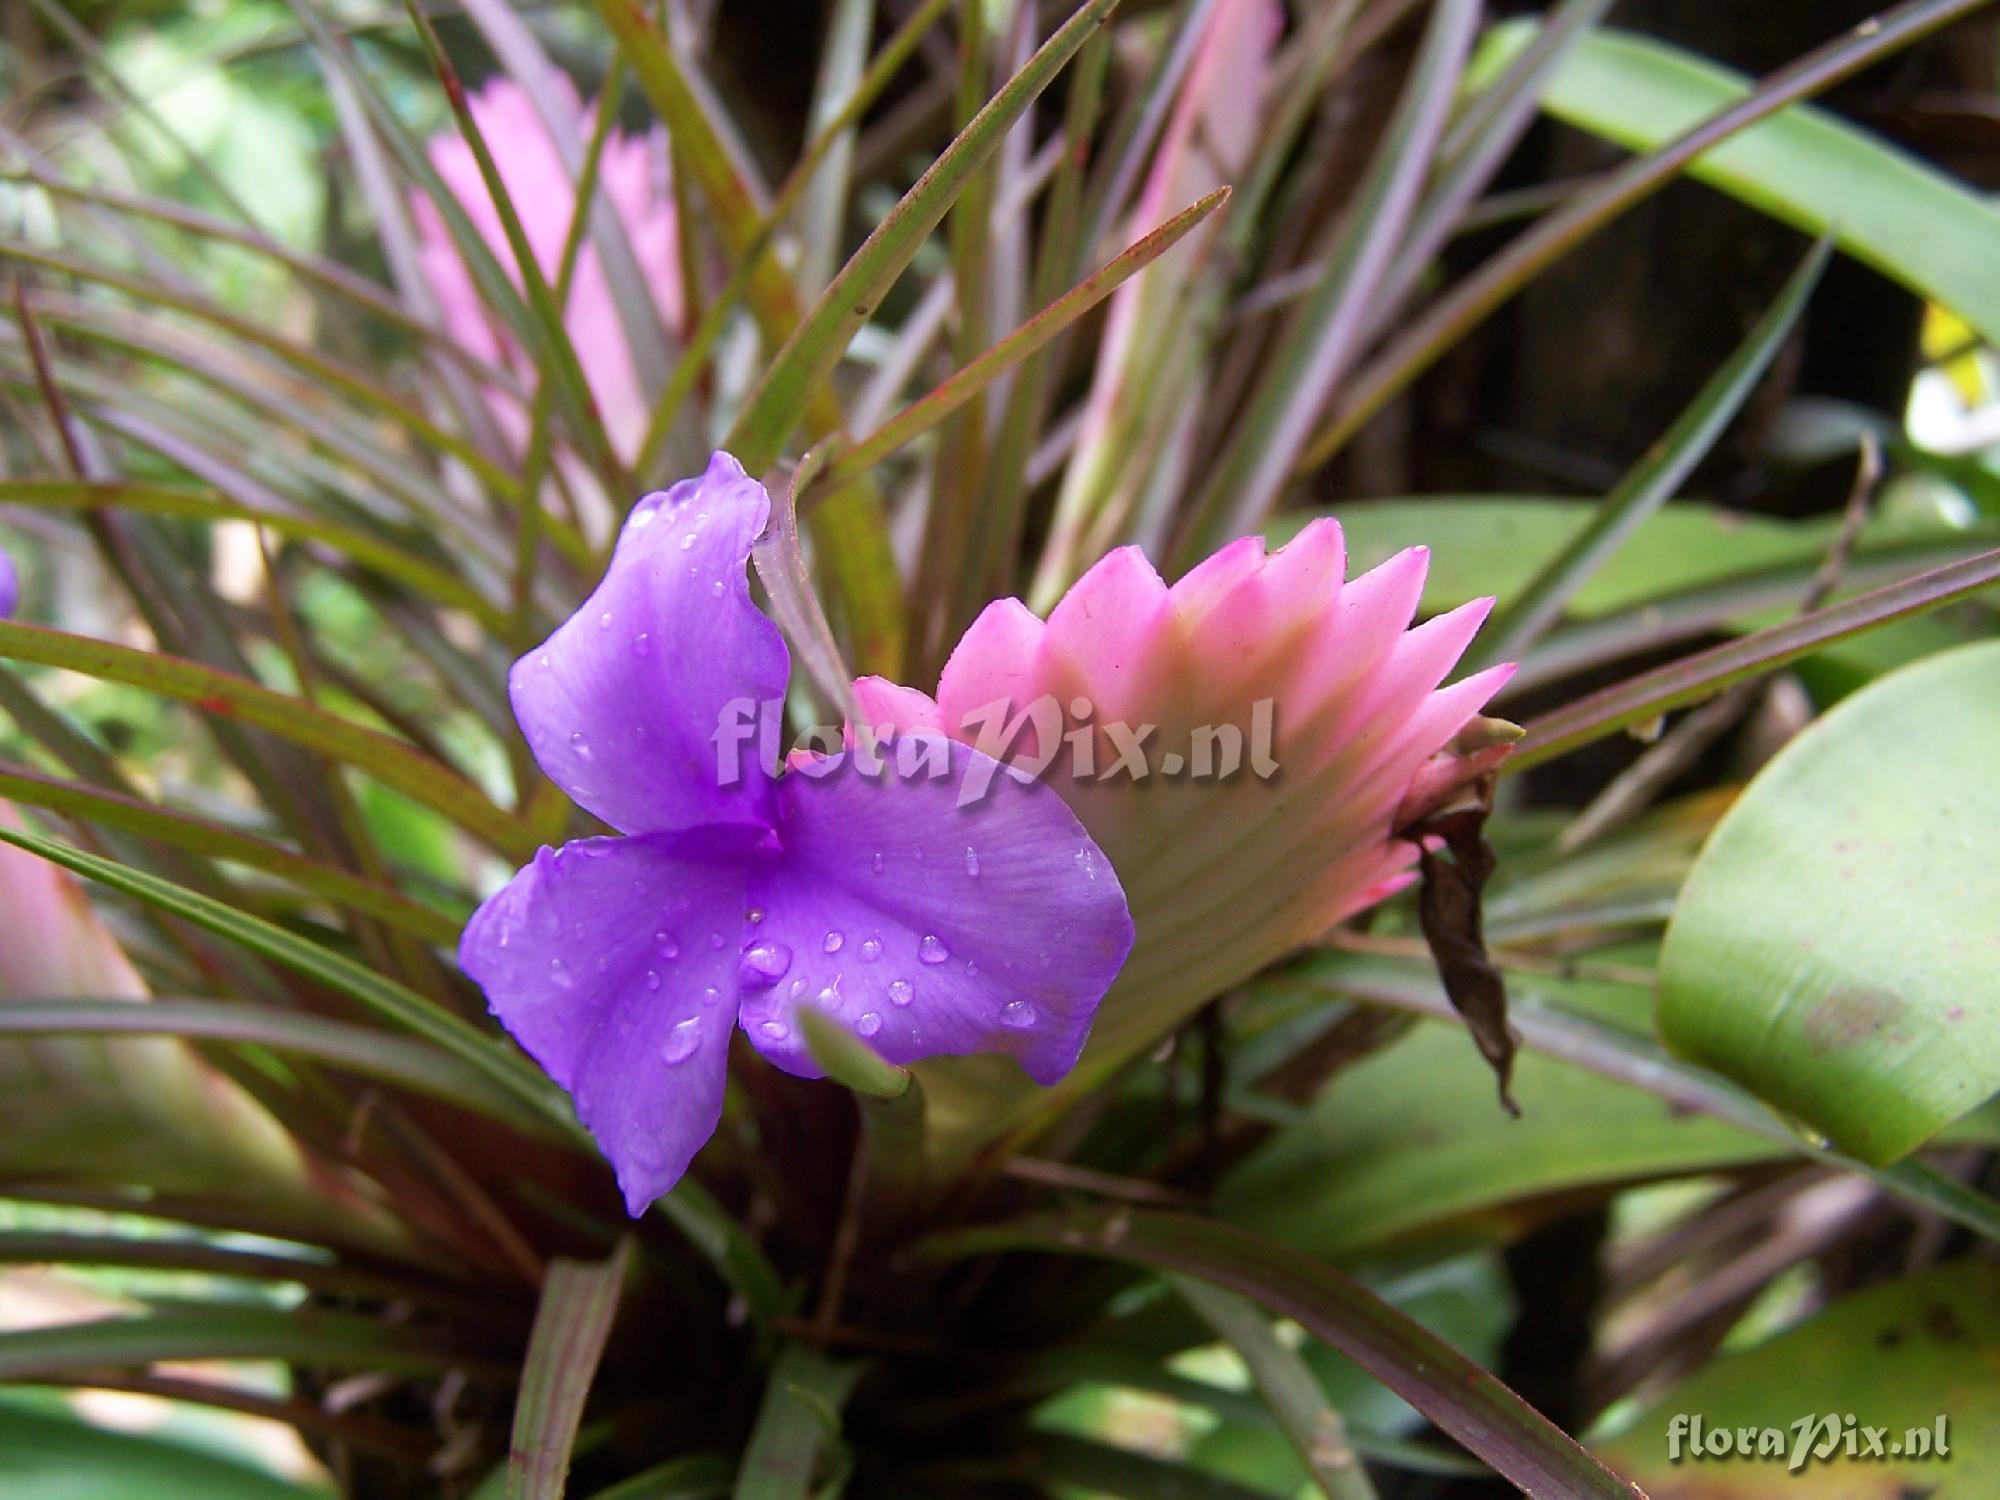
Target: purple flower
10	585
864	891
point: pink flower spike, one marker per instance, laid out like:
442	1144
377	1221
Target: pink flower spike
632	175
1243	746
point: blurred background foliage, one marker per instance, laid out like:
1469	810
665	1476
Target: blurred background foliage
1721	431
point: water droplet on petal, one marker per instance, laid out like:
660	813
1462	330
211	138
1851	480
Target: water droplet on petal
764	964
875	862
715	940
580	745
559	972
777	1031
971	967
754	915
666	944
931	951
798	988
688	540
604	620
682	1041
642	644
833	942
715	588
869	1023
1018	1015
546	662
901	991
710	995
871	949
972	861
652	979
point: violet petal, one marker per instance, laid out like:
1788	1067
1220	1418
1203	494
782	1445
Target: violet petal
928	927
621	705
613	962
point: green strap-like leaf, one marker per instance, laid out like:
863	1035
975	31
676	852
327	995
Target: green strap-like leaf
1651	482
572	1325
491	1058
230	697
797	1426
1461	1398
1289	1385
306	1336
361	1049
1708	672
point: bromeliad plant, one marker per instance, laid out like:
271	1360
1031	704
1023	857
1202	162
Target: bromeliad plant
410	591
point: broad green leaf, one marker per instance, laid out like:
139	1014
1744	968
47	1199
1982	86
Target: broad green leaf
1410	1141
1463	1400
572	1324
45	1456
1904	1356
1804	165
1835	947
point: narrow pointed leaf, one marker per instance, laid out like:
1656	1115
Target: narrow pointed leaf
572	1325
1456	1394
802	366
238	699
1651	482
491	1058
1708	672
919	417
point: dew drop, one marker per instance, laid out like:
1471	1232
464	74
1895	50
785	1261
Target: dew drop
764	964
901	991
715	588
798	988
580	745
875	862
1018	1015
559	972
777	1031
754	915
715	940
682	1041
652	979
972	861
546	663
833	942
971	967
871	949
931	951
643	518
710	995
642	644
868	1023
688	540
604	620
666	944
